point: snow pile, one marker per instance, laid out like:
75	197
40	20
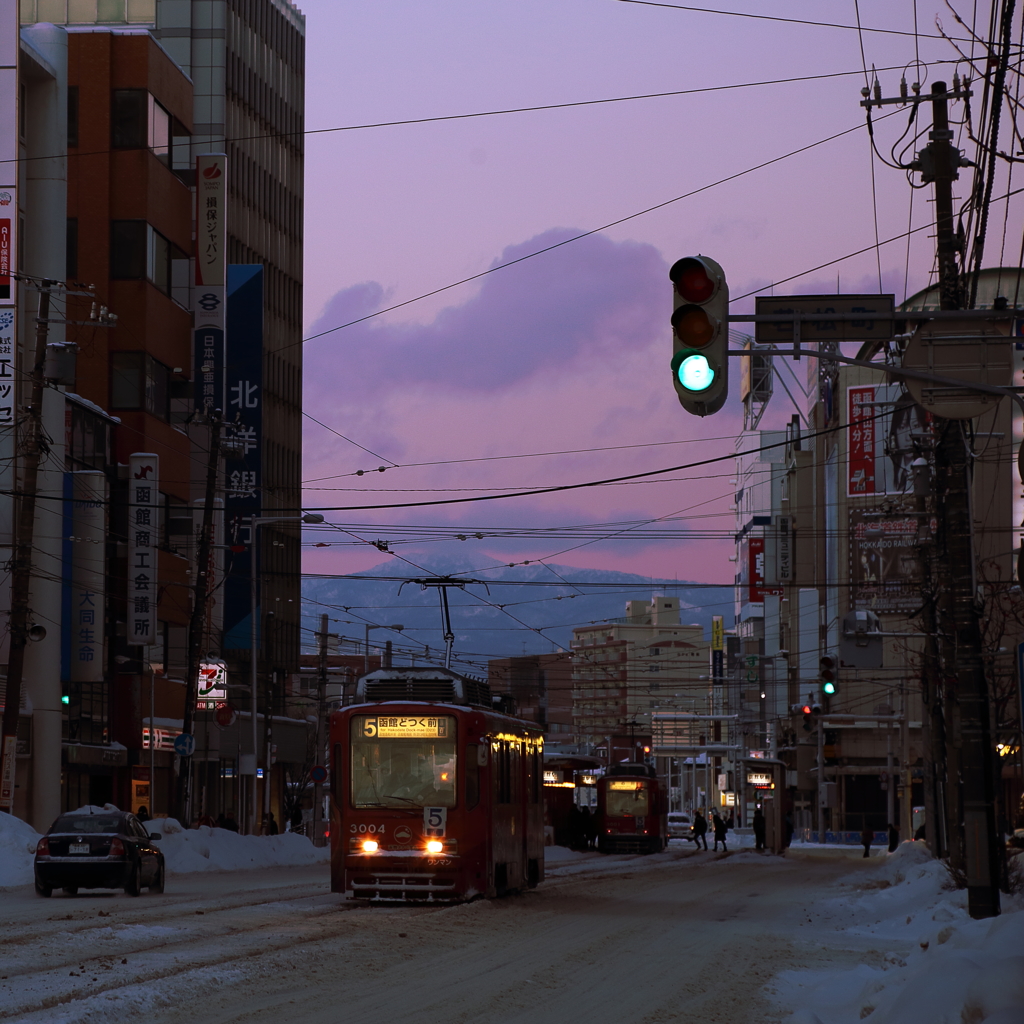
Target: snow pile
949	969
218	849
17	846
185	850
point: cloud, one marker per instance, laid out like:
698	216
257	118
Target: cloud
582	301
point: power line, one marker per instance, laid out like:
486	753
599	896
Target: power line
791	21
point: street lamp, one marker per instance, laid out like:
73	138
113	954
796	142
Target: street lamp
255	522
366	645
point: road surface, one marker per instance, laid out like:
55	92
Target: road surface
680	936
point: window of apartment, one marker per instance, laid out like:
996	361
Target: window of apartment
137	250
72	116
71	250
138	381
138	121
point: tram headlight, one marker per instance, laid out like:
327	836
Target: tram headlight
434	846
370	845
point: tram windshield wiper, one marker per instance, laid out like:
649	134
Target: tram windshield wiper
395	796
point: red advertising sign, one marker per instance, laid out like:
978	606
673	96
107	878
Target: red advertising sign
6	248
861	472
756	589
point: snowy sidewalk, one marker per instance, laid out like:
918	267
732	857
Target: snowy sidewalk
942	967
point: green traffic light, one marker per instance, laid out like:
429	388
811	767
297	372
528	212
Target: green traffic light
829	688
65	699
694	372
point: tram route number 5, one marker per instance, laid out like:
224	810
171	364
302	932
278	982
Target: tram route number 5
434	821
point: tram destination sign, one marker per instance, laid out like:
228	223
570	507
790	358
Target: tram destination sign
407	728
627	784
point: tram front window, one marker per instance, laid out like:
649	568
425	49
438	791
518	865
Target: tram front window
626	798
403	761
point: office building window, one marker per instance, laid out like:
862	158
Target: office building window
138	381
137	120
137	251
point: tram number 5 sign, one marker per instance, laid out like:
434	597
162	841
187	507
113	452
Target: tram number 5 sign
434	821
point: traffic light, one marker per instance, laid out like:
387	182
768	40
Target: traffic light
810	713
827	674
700	334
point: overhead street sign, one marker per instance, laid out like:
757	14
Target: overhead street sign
877	322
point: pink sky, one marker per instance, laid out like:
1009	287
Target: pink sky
570	349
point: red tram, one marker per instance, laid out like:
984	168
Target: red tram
632	810
435	796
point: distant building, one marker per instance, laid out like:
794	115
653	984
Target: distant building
626	668
541	685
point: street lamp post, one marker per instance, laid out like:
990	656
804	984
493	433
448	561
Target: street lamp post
254	523
366	643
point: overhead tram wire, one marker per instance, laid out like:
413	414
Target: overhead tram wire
484	113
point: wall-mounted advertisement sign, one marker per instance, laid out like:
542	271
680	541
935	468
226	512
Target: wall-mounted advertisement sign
883	421
213	684
143	537
885	564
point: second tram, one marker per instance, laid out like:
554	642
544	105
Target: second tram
435	796
632	810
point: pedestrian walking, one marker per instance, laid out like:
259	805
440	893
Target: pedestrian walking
789	828
272	828
720	830
700	830
894	837
865	840
759	829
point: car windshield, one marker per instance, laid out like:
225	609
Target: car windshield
87	823
403	761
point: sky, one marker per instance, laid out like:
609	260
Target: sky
569	349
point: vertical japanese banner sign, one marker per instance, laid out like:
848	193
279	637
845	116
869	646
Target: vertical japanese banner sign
9	46
717	649
243	418
143	526
861	463
211	270
86	660
755	570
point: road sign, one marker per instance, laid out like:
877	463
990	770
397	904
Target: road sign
876	325
185	744
318	773
225	715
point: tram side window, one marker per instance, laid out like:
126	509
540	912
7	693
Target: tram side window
535	774
502	772
472	777
516	757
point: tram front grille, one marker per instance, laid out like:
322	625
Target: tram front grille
404	888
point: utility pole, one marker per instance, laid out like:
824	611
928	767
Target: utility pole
969	747
198	619
21	563
321	700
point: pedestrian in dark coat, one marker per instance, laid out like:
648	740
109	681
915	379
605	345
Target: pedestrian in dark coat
865	840
700	830
759	829
272	829
789	828
894	837
720	830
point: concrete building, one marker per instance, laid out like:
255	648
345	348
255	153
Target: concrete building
32	225
541	685
626	668
828	526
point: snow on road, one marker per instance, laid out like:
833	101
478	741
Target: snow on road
817	936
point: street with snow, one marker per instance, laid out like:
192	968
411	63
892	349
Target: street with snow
816	936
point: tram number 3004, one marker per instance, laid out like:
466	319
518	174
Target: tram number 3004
376	829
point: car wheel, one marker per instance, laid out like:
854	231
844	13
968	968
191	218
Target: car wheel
44	890
70	890
158	882
133	887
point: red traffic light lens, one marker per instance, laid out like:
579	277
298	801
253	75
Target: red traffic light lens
692	326
691	280
806	709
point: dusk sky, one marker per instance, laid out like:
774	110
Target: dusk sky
570	349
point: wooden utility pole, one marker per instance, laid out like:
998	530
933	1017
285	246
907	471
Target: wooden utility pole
973	840
21	563
197	621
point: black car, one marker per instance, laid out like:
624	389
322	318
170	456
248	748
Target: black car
100	850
